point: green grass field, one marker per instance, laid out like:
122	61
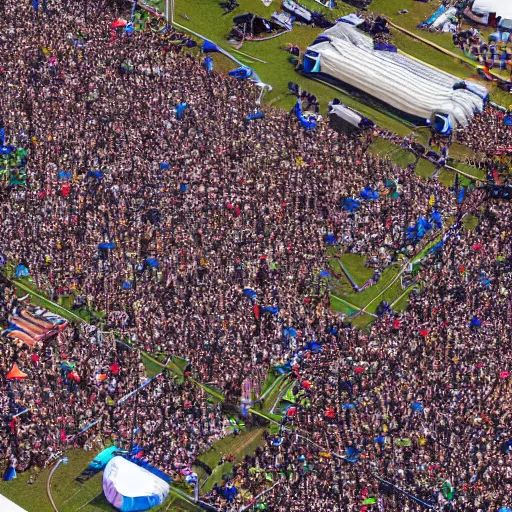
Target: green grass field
69	495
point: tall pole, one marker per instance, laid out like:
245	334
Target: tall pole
167	11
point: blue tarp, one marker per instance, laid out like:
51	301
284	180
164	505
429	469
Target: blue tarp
269	309
250	293
433	18
384	47
107	245
324	273
436	219
63	175
127	285
329	239
369	193
290	331
350	204
165	165
208	64
180	111
10	474
352	454
417	406
22	271
95	174
241	73
307	123
256	115
475	322
208	46
417	232
313	346
152	262
103	458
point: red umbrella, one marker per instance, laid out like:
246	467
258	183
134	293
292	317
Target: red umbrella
119	23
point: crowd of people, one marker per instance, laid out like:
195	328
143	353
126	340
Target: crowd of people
151	198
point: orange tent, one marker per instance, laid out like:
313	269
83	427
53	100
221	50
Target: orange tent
16	373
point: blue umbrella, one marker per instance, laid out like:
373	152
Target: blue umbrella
417	407
107	245
250	293
152	262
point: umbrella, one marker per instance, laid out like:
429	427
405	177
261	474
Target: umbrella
152	262
119	23
109	245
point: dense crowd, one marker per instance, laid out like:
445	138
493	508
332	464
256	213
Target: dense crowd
486	134
161	215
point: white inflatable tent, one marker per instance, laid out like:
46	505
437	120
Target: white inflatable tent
502	8
6	505
129	487
424	93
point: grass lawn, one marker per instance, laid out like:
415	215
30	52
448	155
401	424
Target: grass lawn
378	291
69	495
238	446
354	266
425	168
470	222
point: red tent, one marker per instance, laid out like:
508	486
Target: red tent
119	23
16	373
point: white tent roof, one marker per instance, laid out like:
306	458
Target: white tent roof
6	505
125	481
502	8
398	80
